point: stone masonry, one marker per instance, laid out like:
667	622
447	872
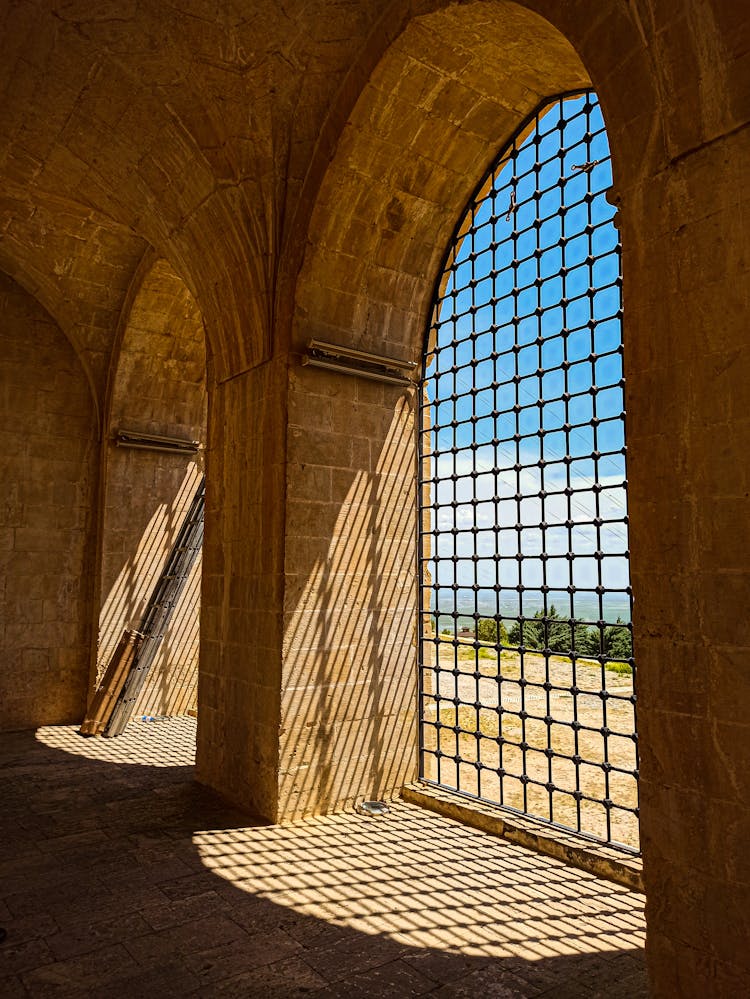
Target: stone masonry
193	191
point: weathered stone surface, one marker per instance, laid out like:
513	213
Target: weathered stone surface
157	386
47	468
301	168
178	894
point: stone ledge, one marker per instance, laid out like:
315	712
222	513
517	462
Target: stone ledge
603	861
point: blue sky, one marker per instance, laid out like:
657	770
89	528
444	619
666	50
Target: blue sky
519	313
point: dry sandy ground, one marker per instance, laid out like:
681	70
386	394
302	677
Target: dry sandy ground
480	692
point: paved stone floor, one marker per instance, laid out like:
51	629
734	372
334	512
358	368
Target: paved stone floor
121	877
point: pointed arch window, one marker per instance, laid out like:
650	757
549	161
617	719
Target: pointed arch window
527	675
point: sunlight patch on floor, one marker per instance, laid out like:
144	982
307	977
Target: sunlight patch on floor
427	881
164	742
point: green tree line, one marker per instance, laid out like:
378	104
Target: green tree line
554	633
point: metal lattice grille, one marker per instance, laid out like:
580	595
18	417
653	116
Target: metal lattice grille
526	654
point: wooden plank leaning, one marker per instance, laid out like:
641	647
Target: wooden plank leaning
104	700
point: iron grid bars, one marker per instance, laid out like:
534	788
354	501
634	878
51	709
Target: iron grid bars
526	655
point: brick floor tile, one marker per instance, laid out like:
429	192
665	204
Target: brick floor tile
196	936
12	987
241	955
396	978
84	937
132	881
486	983
23	954
30	927
337	961
444	966
169	979
184	910
89	971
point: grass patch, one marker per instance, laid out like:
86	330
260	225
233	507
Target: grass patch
622	669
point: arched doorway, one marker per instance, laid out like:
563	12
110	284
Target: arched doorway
150	557
48	466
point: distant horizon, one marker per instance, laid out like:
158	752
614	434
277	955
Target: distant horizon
587	609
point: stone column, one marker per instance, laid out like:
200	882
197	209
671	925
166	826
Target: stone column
348	723
307	690
239	685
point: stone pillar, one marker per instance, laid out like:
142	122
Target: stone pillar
348	722
307	692
239	685
687	355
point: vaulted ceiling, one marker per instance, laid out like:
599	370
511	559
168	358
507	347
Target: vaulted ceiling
201	132
126	124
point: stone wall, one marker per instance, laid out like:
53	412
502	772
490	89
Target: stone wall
688	369
348	682
47	466
302	175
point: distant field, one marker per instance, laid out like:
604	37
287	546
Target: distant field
481	726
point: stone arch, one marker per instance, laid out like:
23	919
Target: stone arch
417	123
677	126
48	466
157	386
131	159
452	86
449	91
